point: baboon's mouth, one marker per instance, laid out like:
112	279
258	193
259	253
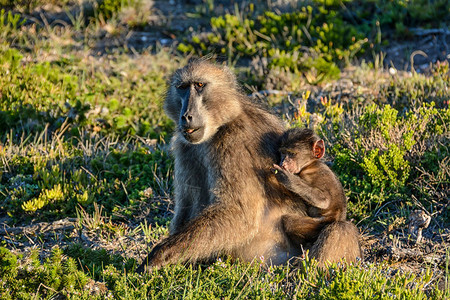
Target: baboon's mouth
193	135
191	130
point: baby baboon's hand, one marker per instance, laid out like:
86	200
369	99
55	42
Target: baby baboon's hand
275	169
281	174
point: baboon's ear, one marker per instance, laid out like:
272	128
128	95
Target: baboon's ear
319	149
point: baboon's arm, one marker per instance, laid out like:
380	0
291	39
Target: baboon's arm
308	192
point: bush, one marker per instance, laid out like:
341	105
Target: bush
374	151
283	38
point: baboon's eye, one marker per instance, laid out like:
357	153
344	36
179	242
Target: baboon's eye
199	85
291	153
183	86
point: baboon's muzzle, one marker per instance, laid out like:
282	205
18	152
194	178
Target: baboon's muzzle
193	135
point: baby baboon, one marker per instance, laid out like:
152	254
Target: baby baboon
226	199
302	172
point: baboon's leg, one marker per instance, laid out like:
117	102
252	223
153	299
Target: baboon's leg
206	235
301	229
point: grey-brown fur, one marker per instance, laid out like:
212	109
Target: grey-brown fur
227	201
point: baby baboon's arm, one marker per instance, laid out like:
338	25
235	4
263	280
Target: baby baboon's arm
308	192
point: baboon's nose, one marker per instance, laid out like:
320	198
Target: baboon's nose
187	118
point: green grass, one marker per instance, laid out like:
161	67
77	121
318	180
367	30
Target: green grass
114	277
83	136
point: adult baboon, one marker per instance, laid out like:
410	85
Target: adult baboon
227	201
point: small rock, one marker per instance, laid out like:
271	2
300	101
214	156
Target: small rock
148	192
392	71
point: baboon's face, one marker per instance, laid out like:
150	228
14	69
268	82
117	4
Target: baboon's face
200	99
294	157
298	148
191	122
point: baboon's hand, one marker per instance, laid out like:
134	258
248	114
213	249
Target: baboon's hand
158	257
276	168
281	174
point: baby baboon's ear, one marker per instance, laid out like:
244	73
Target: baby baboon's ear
319	149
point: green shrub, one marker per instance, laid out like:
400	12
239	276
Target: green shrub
41	280
108	8
375	153
283	38
9	24
8	264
